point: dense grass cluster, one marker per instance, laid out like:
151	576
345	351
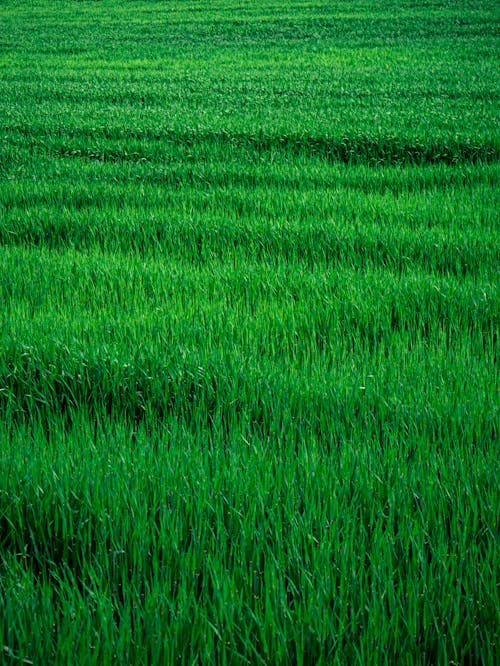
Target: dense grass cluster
250	300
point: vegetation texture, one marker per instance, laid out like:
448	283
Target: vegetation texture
250	300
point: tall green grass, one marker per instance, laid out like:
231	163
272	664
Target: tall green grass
250	304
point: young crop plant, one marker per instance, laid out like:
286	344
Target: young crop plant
249	313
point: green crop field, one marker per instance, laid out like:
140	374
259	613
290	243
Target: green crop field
249	314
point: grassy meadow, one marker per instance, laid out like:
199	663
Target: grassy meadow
249	313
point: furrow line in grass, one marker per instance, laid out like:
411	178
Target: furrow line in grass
109	144
425	399
201	242
43	181
126	286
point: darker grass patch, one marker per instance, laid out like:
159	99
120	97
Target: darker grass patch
113	144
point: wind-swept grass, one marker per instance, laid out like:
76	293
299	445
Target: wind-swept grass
250	304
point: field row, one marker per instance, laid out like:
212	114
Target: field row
274	349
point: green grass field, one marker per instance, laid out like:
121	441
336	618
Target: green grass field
249	313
